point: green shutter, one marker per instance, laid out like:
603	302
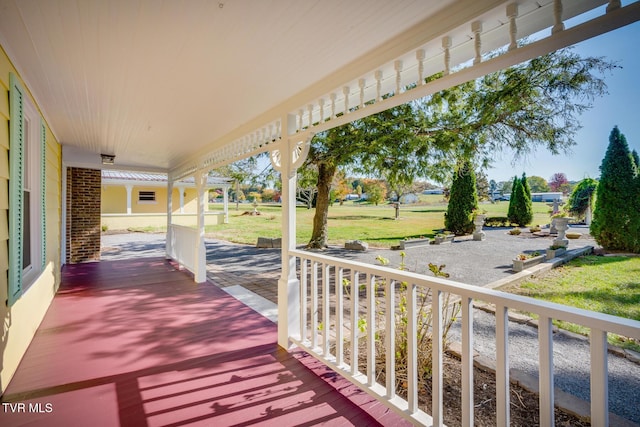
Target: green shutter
16	169
43	192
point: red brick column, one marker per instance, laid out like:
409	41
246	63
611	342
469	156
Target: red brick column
83	215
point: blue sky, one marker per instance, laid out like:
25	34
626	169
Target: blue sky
620	107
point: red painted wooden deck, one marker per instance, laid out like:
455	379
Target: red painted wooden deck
138	343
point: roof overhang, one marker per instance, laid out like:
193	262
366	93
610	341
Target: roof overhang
185	86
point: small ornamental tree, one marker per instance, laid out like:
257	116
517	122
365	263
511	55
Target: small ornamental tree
616	219
463	200
582	197
522	213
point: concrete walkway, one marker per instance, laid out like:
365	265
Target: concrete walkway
243	267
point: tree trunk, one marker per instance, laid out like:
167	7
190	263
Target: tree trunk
319	236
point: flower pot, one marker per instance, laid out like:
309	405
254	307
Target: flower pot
554	253
523	264
447	238
414	243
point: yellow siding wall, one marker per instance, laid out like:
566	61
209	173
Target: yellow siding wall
19	322
114	200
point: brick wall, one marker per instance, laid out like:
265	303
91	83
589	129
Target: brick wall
83	215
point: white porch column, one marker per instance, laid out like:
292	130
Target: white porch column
169	236
288	285
181	191
129	187
225	198
200	273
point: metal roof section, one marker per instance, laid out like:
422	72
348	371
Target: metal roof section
117	177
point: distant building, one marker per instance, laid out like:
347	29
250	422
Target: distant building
434	191
539	197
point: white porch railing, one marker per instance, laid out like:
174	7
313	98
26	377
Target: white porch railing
188	250
323	308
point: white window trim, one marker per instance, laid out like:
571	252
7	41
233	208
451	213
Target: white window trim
32	150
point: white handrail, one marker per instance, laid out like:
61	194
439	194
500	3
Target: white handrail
598	323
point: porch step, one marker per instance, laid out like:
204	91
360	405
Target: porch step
254	301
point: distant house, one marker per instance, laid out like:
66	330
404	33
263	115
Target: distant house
139	199
409	198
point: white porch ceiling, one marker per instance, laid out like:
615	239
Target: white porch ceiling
157	82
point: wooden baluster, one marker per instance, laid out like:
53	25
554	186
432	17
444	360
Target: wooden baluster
397	65
502	366
466	306
378	76
321	104
476	27
300	113
361	84
557	17
339	316
355	320
345	91
512	14
412	348
390	334
613	5
420	55
545	379
371	330
326	298
314	304
446	45
310	110
304	282
333	97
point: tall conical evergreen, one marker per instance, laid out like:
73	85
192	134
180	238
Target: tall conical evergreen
527	207
511	210
520	210
463	199
616	219
525	185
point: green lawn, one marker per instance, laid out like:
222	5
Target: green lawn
608	285
351	221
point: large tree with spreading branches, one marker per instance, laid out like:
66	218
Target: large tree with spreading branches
533	105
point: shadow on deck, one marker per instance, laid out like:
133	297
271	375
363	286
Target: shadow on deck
138	343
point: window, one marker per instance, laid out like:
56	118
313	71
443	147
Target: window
31	190
27	227
146	197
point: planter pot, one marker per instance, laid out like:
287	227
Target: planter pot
478	221
443	239
562	224
554	253
523	264
414	243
